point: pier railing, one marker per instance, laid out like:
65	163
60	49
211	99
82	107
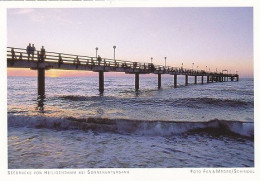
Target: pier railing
21	54
42	60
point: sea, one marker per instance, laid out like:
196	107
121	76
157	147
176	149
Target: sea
74	126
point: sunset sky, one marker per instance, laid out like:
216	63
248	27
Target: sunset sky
219	38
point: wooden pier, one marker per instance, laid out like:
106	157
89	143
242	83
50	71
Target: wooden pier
18	58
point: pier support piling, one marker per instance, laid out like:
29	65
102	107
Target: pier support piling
159	80
202	79
41	82
136	81
175	81
195	79
207	78
186	80
101	81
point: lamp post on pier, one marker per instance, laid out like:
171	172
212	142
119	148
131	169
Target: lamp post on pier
151	59
192	66
96	51
165	61
114	52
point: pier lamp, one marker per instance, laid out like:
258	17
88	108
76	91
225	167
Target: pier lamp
96	51
181	65
151	59
206	68
165	61
114	52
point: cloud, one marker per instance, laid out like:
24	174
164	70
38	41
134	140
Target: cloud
21	11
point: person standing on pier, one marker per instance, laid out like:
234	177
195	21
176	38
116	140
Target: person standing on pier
99	59
32	51
28	50
42	54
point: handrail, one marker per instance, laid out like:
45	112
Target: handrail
21	54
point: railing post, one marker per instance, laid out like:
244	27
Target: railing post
136	81
159	80
21	56
101	81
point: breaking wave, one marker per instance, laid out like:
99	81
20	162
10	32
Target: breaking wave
124	126
181	102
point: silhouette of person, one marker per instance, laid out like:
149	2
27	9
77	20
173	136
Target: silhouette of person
60	60
99	59
13	54
28	50
32	51
42	54
152	67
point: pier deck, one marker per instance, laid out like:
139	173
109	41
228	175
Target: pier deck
18	58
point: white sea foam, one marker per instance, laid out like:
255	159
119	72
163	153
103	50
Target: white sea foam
152	128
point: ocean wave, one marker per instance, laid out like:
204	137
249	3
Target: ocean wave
180	102
124	126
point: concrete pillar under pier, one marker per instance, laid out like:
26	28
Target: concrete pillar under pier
212	79
101	81
41	82
207	78
237	77
159	81
175	80
195	79
202	79
137	81
186	79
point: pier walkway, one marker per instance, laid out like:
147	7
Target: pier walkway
18	58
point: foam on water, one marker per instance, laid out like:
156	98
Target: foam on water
123	126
